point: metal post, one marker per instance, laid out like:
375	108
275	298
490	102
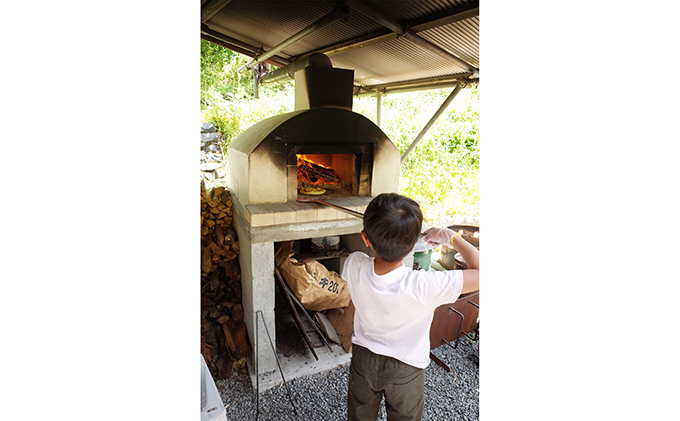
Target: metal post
256	90
430	123
340	11
378	119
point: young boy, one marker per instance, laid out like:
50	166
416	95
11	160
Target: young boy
394	309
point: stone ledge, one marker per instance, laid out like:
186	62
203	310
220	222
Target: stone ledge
275	214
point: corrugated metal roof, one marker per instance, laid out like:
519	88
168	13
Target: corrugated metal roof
421	64
460	38
408	11
266	23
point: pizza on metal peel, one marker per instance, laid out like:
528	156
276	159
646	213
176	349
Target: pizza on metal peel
314	191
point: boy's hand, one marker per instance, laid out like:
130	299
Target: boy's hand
437	236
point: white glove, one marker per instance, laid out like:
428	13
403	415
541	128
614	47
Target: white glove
437	236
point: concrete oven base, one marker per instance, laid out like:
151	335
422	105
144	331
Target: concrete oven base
299	365
258	227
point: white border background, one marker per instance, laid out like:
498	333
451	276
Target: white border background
98	162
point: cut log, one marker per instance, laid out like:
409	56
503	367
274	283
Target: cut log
237	312
241	339
240	363
230	236
207	255
229	341
225	365
217	250
219	233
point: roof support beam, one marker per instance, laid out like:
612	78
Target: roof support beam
408	34
287	73
339	12
458	13
391	87
238	46
357	43
211	7
446	17
430	123
214	34
441	85
443	18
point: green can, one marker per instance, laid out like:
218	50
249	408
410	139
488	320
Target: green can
421	260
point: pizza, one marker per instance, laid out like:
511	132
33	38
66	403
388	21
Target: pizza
314	191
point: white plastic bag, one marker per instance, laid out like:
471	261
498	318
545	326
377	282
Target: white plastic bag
212	408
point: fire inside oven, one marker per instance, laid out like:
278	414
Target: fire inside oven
335	173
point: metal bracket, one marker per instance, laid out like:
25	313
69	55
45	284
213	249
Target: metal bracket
460	326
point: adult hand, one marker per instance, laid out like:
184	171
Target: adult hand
437	236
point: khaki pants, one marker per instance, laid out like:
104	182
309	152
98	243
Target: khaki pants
372	375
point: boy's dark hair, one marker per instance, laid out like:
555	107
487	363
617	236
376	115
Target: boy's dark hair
392	223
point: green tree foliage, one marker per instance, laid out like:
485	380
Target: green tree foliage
227	96
442	173
219	75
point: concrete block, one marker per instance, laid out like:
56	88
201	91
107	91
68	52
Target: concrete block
259	215
267	360
245	258
299	231
262	260
291	180
345	202
362	203
325	213
304	212
265	298
283	214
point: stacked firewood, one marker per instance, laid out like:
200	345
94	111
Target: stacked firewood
224	342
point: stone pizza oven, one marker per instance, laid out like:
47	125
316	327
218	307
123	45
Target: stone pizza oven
322	144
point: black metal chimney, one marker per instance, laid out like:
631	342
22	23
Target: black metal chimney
323	87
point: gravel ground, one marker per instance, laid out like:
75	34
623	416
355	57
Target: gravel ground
323	396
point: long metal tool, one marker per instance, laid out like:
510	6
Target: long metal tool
321	202
349	211
257	364
295	314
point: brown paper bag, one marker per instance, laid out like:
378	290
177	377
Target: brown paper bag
316	287
342	320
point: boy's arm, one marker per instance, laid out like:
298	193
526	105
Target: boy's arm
471	256
469	253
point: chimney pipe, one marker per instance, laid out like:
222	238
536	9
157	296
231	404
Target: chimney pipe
323	87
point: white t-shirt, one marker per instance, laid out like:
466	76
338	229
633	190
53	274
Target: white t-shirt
394	311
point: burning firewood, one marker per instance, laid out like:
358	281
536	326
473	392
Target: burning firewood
312	174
